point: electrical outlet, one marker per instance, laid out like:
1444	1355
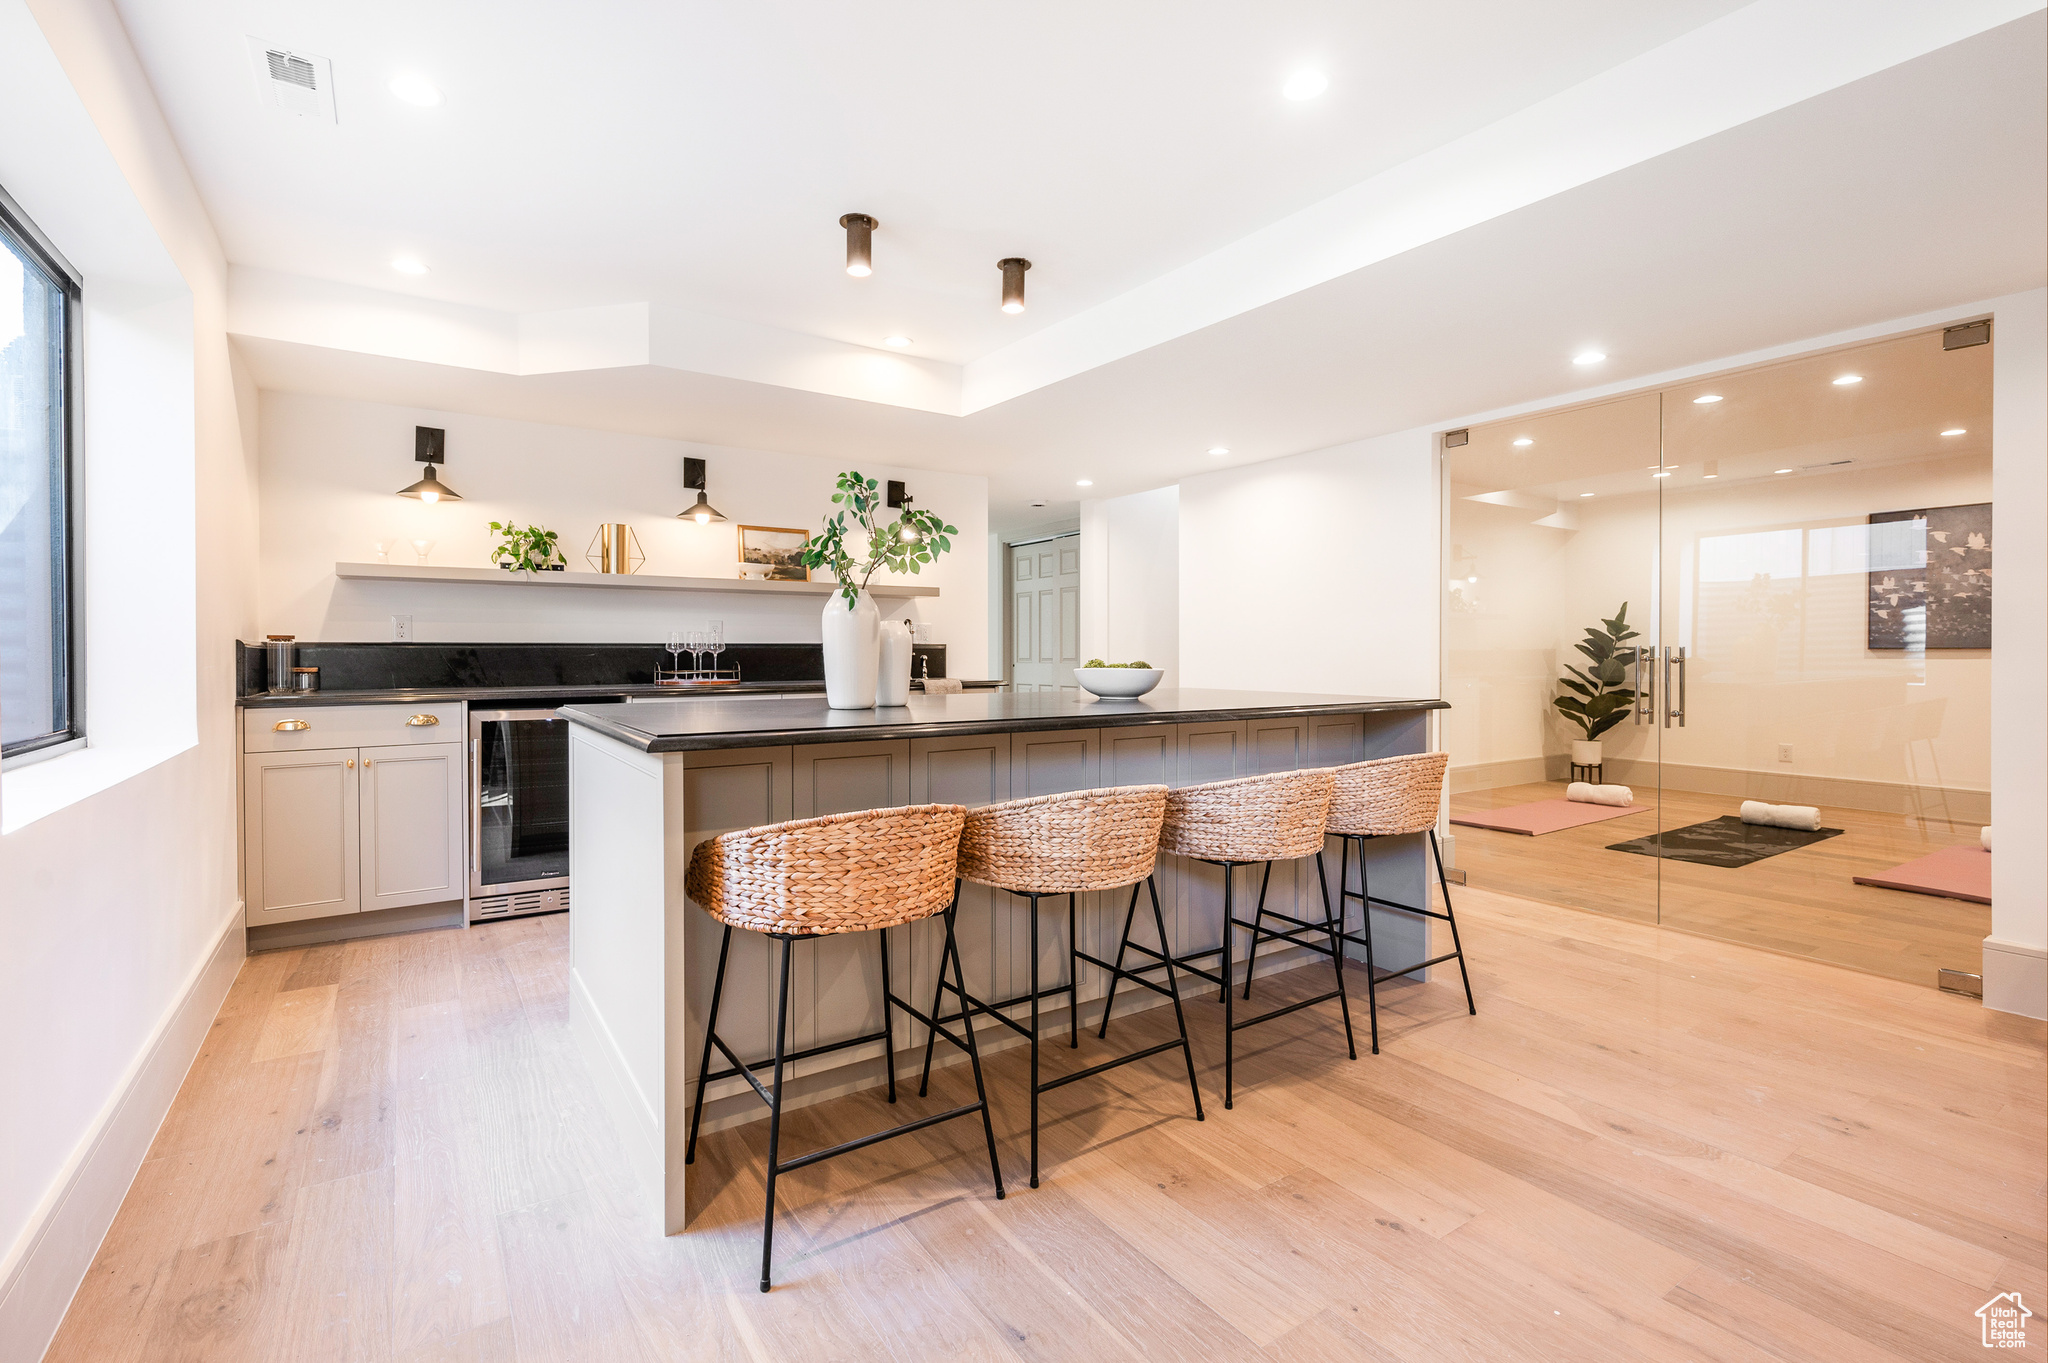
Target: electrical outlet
401	629
1784	752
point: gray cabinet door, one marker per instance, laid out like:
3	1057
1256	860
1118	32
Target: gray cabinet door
412	844
300	835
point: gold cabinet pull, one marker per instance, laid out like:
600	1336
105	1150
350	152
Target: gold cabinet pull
420	722
367	761
290	726
350	764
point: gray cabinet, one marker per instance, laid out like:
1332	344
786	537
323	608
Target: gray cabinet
337	830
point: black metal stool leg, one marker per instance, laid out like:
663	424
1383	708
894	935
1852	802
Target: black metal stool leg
1452	918
1034	1041
710	1030
775	1114
988	1126
931	1037
888	1018
1074	977
1372	988
1172	988
1251	959
1336	956
1229	1015
1110	1000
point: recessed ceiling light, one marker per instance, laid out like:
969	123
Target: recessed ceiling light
1219	450
1588	357
1305	85
1958	430
408	265
1847	379
1585	494
896	342
1781	470
1525	440
1084	482
414	88
1705	398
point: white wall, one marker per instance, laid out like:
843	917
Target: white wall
1327	561
1759	678
1130	580
331	467
120	913
2016	953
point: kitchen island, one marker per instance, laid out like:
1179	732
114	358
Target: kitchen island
649	781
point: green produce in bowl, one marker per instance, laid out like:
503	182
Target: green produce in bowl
1097	662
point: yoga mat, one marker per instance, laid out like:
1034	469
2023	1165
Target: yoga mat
1726	841
1544	816
1952	873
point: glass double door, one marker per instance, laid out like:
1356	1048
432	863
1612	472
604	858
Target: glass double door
1766	588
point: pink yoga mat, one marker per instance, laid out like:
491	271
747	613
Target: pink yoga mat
1544	816
1952	873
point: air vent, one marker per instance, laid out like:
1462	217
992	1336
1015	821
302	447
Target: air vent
292	82
519	904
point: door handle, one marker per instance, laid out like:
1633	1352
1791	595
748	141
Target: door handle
289	726
1640	708
422	721
1674	655
350	764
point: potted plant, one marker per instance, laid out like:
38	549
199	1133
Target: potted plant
852	624
528	548
1598	700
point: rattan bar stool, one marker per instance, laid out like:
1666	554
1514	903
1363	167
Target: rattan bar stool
1065	844
1391	797
867	871
1245	822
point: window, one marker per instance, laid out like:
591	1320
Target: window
38	331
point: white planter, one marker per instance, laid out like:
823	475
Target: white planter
1585	754
892	676
852	652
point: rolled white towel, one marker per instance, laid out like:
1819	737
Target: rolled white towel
1984	836
1802	817
1586	793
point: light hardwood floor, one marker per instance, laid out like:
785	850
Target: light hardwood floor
1646	1145
1805	902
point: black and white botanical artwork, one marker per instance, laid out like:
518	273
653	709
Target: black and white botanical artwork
1930	577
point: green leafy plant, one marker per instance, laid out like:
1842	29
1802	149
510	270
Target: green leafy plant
1598	700
524	547
1097	662
903	545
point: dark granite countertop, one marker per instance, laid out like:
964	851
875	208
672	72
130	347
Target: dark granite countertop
700	723
512	695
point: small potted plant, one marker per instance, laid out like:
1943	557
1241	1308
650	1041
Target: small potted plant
853	624
1598	700
526	549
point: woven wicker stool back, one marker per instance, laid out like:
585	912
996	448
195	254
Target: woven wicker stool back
1254	818
873	868
1065	844
1388	796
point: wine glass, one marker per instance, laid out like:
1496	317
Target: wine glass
714	644
675	647
423	548
694	642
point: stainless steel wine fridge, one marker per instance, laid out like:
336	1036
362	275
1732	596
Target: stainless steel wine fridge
519	813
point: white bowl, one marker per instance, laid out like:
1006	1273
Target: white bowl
1118	683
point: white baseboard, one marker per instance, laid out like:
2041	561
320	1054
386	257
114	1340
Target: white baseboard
51	1257
346	927
2015	978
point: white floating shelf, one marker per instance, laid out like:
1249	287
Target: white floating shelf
641	582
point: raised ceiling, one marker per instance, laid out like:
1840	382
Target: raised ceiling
1485	189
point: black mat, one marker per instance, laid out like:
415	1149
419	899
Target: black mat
1726	841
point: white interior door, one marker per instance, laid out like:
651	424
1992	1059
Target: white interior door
1045	614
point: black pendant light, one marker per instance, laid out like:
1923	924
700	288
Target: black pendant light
1013	269
703	512
860	244
429	447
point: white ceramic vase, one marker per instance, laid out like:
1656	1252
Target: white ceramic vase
892	677
852	652
1585	754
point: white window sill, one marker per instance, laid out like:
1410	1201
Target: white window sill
41	789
